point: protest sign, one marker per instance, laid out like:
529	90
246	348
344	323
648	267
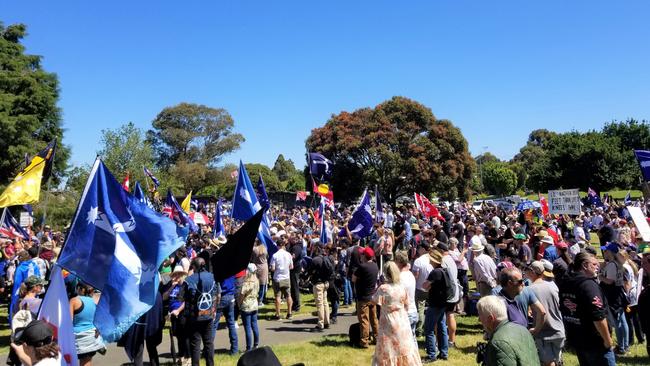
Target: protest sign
564	201
25	219
640	222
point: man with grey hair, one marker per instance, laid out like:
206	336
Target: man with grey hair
508	343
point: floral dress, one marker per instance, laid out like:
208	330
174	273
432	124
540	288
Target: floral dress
395	346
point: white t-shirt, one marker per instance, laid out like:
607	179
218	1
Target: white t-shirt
49	361
422	267
407	280
282	262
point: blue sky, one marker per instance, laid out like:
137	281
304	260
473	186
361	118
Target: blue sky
496	69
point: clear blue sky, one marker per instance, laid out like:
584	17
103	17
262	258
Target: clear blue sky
497	69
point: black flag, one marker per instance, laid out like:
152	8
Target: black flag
234	256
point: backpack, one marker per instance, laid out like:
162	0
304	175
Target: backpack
202	302
326	270
453	290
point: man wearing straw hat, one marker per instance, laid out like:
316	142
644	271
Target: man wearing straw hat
484	270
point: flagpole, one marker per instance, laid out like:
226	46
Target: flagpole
146	179
2	219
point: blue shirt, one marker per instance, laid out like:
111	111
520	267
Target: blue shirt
228	286
550	253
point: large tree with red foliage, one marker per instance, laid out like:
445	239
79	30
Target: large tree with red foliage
400	146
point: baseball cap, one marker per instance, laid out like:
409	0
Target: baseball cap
368	252
562	245
443	247
35	334
519	237
537	267
34	281
611	246
548	240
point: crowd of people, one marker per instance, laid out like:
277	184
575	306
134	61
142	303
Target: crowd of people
539	287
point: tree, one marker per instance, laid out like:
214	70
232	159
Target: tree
284	169
125	149
633	135
499	179
271	181
398	145
29	116
486	157
189	140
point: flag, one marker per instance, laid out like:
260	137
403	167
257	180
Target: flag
323	190
138	193
245	205
126	182
628	199
233	257
186	205
234	174
55	311
544	203
593	198
26	187
10	227
116	244
361	221
643	157
320	167
149	174
324	239
219	229
301	196
260	190
379	210
418	201
175	212
429	209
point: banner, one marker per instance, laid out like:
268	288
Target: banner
639	220
564	201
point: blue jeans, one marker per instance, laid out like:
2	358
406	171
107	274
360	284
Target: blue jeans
622	330
335	307
588	357
413	320
250	328
435	317
227	308
262	293
347	291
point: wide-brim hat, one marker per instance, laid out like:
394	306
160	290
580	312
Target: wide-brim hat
477	246
435	256
415	227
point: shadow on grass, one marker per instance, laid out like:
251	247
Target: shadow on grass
334	340
633	360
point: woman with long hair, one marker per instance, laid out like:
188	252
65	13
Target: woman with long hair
632	291
395	344
247	301
260	258
87	338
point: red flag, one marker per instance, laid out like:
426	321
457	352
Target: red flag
418	202
125	183
301	196
544	203
429	209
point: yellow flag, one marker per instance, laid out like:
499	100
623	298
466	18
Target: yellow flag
186	203
26	187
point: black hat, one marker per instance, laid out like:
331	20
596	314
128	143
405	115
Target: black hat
35	334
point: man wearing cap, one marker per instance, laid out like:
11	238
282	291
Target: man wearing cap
612	281
365	282
550	252
550	338
435	318
421	269
524	254
484	270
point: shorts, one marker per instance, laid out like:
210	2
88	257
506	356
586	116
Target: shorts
549	350
282	286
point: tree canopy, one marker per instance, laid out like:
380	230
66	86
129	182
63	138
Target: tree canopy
29	116
400	146
125	149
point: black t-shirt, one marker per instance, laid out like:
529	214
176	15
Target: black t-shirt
354	260
582	302
366	282
438	290
442	237
606	234
459	231
296	253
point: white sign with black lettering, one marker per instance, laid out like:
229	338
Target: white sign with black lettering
564	201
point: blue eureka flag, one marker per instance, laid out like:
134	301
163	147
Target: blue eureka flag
379	210
116	244
218	222
174	211
643	156
361	222
628	199
245	205
138	193
320	167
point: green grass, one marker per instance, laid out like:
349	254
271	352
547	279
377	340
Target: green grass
5	329
334	350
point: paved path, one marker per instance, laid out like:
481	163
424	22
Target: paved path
283	331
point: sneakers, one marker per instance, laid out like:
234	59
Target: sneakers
317	329
427	359
333	320
620	351
289	316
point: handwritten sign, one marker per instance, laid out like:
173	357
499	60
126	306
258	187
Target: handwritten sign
564	201
639	220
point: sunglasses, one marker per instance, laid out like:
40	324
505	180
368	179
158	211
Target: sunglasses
518	282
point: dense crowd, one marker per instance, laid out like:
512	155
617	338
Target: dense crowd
540	288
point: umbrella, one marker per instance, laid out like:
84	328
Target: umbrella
199	218
528	205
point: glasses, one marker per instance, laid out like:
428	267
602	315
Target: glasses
518	282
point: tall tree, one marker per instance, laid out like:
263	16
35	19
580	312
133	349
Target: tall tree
284	169
189	140
499	179
29	116
398	145
125	149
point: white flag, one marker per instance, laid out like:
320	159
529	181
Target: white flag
55	311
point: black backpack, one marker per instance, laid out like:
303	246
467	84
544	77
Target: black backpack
449	291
